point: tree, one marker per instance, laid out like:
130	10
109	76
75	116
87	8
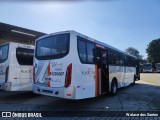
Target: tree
153	51
134	52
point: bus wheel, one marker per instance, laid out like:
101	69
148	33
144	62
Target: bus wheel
114	87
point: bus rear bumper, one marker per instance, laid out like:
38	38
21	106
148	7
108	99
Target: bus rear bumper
61	92
5	86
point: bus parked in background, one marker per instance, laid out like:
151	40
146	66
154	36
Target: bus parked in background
73	66
147	67
141	68
157	67
16	67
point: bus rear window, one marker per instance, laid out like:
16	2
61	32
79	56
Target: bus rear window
24	56
4	52
52	47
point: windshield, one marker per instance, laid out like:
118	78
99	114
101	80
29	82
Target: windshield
3	53
56	46
147	66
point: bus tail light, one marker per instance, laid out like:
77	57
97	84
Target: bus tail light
68	75
68	94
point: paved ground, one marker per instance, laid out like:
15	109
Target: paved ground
143	96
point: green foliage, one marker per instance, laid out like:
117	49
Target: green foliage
153	51
133	52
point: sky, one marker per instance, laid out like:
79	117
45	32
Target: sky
119	23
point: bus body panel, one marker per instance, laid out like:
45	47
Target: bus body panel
80	74
83	74
4	85
113	70
19	76
84	79
3	68
124	75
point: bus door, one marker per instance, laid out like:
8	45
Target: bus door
103	70
138	69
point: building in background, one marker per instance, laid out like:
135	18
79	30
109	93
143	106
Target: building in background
10	33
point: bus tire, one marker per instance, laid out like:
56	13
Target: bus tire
114	87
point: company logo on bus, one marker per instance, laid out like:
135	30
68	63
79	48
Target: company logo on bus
27	71
57	66
89	72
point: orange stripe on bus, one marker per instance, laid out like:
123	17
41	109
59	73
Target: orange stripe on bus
96	80
49	84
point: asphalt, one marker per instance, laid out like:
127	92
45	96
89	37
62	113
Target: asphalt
144	96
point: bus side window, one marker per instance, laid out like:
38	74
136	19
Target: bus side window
111	55
125	60
121	59
82	51
113	58
3	52
30	56
86	51
90	54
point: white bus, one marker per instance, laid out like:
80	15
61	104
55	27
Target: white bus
73	66
16	67
147	67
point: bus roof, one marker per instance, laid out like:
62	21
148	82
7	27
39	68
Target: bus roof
88	38
17	43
